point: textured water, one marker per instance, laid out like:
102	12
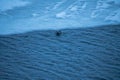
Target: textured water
28	15
78	54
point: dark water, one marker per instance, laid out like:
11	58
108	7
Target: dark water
78	54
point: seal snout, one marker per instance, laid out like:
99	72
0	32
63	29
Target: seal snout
58	33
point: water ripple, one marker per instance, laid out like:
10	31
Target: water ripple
78	54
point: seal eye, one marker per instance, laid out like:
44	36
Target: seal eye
58	33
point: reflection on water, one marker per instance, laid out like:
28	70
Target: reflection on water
81	54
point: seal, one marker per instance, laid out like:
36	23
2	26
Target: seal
58	33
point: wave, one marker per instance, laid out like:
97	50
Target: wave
78	54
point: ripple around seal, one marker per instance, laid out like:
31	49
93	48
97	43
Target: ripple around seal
78	54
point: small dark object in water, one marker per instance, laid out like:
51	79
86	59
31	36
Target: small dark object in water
58	33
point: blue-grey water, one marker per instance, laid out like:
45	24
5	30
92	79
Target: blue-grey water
78	54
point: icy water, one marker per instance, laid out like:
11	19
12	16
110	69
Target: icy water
78	54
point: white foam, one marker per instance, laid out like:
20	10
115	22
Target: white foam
69	15
10	4
115	16
74	8
61	15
